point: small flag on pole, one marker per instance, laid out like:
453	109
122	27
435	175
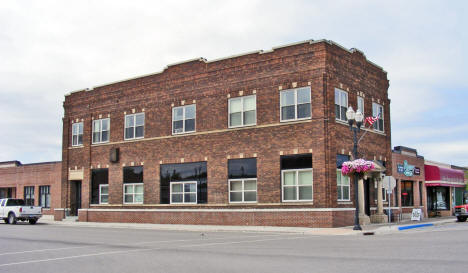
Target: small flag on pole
371	120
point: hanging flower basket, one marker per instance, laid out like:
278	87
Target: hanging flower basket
358	166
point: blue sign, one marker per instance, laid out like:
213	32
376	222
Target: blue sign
405	168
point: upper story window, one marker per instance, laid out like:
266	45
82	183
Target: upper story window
341	104
77	134
242	111
360	104
183	119
135	126
377	111
101	130
295	104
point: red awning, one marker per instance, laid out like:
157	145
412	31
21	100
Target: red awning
439	174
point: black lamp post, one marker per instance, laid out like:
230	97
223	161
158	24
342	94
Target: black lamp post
355	117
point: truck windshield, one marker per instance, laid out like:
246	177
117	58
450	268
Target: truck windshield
15	202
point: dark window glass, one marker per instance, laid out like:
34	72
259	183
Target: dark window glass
133	174
139	131
98	177
242	168
189	125
340	159
343	113
44	196
15	202
337	111
129	132
288	112
303	110
178	126
301	161
420	194
406	193
105	136
195	171
29	195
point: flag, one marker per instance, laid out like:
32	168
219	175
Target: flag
371	120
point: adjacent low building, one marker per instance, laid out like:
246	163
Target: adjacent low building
410	190
39	184
445	188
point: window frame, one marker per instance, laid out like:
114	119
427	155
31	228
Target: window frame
29	195
359	98
243	180
183	192
341	185
184	119
80	126
133	193
100	193
296	185
339	91
381	117
100	131
295	104
242	111
47	196
134	126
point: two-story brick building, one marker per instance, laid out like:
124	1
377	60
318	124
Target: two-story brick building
253	139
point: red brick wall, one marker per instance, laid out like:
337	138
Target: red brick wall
322	66
38	174
322	219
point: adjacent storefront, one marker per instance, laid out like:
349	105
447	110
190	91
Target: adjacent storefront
445	188
408	170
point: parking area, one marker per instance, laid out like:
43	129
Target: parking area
58	248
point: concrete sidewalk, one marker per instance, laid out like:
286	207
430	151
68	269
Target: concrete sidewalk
375	228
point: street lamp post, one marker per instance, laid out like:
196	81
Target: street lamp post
355	117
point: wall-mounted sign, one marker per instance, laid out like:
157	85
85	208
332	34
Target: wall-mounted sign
407	169
417	171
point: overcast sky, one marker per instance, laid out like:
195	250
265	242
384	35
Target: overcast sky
50	48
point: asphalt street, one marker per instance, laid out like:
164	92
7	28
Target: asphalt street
55	248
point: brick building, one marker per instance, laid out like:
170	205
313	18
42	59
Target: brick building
253	139
408	170
38	183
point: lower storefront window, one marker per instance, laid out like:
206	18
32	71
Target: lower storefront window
406	193
438	198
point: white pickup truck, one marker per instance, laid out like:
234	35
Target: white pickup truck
12	210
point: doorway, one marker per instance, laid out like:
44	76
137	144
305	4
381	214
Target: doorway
75	197
367	197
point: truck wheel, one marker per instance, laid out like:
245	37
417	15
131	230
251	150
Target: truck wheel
32	221
12	218
461	218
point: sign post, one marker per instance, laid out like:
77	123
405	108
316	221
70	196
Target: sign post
389	182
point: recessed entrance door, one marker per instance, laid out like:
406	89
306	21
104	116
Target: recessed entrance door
367	197
75	200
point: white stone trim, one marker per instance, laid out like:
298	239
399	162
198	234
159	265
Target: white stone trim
225	210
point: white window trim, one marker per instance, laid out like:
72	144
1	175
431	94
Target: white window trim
183	119
342	185
296	185
363	103
183	192
243	190
78	135
382	117
347	102
134	127
242	112
295	105
100	131
133	184
100	194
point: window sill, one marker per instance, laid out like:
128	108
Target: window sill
184	133
242	126
362	128
345	202
293	120
129	139
99	143
311	202
77	147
